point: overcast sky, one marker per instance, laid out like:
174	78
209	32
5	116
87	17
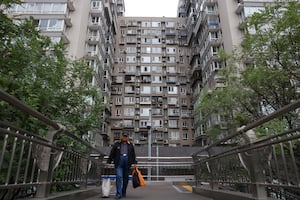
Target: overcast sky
151	8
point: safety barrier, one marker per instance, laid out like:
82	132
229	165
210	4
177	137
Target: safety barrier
35	166
244	167
161	169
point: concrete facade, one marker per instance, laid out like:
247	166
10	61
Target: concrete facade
150	90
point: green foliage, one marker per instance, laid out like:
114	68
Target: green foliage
37	73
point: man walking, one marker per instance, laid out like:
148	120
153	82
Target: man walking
123	156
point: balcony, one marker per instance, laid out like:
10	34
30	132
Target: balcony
93	40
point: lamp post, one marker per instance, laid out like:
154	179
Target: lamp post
149	135
149	126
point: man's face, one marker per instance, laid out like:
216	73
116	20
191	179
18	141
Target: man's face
124	138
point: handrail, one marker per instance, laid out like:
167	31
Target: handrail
60	128
256	168
254	124
29	162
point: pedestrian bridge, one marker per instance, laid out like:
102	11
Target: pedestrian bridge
239	166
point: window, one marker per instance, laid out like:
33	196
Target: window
214	51
146	50
128	123
156	59
184	101
172	100
156	50
170	24
171	50
156	41
146	41
130	69
145	100
213	35
181	59
173	112
155	24
171	69
156	89
118	100
171	59
129	112
157	69
145	112
95	20
51	25
143	123
182	91
184	124
131	49
185	136
129	89
129	100
174	135
146	24
156	79
145	69
130	59
118	112
172	89
145	90
171	79
146	59
95	5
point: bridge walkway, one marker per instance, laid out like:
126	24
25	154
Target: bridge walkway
157	190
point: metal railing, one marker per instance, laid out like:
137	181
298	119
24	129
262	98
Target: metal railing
35	166
162	169
252	168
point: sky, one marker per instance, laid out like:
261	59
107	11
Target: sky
151	8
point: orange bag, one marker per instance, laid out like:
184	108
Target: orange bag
141	178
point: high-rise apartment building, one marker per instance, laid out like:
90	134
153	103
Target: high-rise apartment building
213	25
150	70
150	88
88	29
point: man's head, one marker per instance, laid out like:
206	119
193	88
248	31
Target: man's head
124	137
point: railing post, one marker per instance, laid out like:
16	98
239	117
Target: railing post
254	167
44	159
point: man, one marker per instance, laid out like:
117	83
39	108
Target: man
123	156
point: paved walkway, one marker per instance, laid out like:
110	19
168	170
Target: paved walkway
157	191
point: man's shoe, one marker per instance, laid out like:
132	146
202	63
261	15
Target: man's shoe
124	195
117	197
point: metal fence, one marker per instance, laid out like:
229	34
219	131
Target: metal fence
35	166
260	168
162	169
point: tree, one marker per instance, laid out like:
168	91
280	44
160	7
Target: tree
37	72
271	78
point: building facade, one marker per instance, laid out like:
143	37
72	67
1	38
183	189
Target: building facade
213	25
150	89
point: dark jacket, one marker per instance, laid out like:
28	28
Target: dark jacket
114	155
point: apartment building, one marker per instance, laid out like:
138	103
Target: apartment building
213	25
150	88
88	29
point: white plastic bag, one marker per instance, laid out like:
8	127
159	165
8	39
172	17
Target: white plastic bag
105	187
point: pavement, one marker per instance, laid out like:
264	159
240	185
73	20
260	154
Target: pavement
156	191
